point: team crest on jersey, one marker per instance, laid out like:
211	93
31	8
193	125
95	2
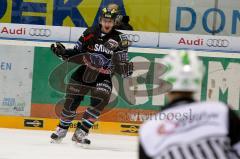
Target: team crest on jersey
102	48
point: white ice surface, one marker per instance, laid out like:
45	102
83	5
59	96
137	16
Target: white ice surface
32	144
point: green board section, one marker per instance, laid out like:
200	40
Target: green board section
45	62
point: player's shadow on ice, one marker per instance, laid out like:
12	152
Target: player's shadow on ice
106	148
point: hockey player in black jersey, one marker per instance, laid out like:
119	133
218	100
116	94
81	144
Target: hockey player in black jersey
186	128
105	52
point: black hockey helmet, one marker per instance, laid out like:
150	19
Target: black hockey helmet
109	13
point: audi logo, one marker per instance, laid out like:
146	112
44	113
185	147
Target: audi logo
133	37
40	32
218	43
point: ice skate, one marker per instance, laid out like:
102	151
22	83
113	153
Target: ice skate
79	136
58	135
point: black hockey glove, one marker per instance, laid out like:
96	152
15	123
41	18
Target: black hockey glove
125	69
121	64
59	50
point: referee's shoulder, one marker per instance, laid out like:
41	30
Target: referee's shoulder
150	125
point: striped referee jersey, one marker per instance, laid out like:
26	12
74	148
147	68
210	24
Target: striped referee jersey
186	129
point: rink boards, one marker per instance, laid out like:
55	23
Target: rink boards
50	124
27	93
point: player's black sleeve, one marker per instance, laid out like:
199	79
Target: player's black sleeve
78	48
234	127
86	40
234	131
142	154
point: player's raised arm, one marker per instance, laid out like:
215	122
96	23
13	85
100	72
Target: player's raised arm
85	41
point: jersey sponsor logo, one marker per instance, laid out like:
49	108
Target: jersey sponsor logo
40	32
102	48
124	40
33	123
100	60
